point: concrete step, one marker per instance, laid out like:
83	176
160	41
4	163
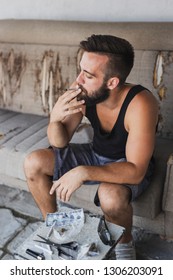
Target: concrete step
21	134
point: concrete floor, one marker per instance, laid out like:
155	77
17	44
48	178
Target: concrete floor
20	217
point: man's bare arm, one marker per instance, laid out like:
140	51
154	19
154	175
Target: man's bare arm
64	118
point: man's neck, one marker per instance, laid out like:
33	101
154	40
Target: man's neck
115	98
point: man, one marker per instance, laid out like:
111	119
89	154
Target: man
124	118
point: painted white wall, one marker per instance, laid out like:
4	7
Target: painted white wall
88	10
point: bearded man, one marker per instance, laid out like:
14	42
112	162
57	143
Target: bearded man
124	118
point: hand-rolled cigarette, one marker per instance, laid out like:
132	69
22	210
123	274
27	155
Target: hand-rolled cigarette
71	89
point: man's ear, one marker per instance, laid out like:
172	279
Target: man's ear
112	83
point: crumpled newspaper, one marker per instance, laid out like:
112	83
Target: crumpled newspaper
66	224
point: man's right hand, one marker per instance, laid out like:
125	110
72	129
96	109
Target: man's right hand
67	104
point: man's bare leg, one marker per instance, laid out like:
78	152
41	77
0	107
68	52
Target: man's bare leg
115	204
39	166
114	200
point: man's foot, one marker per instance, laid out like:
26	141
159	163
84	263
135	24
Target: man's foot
125	251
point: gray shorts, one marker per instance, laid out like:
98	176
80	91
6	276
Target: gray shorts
82	154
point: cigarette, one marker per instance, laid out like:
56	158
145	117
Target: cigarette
71	89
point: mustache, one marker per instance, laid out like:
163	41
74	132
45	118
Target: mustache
83	94
83	89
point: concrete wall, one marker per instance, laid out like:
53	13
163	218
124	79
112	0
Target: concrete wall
39	59
90	10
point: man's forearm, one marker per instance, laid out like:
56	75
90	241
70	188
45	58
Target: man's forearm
57	134
118	173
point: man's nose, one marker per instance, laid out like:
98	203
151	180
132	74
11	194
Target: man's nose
80	79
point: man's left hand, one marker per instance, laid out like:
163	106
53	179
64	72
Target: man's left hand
67	184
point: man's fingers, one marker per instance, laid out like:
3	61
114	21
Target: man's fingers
54	187
73	111
61	192
75	102
68	195
70	95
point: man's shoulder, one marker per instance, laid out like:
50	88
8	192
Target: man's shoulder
144	104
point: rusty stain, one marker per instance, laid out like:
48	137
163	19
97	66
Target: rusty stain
68	60
160	124
50	98
51	53
160	118
1	136
158	70
37	74
10	63
168	58
44	80
12	68
162	93
3	93
58	75
78	59
16	66
37	83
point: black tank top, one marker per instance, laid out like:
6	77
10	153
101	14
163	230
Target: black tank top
112	144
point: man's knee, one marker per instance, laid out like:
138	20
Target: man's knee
32	164
113	197
40	162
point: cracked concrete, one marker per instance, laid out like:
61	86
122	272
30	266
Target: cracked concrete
20	217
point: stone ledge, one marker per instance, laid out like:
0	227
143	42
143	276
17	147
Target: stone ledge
153	35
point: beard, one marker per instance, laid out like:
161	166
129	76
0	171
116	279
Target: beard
96	97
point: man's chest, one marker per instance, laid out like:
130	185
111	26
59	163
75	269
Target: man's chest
107	118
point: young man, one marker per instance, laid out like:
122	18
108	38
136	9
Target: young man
124	118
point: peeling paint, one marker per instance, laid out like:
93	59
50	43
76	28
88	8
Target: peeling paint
160	124
168	58
44	76
58	76
37	81
52	84
78	59
16	66
12	68
3	93
50	101
158	70
10	63
162	93
47	83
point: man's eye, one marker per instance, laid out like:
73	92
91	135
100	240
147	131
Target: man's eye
89	76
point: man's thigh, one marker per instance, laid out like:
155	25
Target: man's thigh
72	156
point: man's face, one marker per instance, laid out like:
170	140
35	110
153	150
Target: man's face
92	79
95	97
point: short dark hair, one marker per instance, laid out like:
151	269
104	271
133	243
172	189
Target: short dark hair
119	51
